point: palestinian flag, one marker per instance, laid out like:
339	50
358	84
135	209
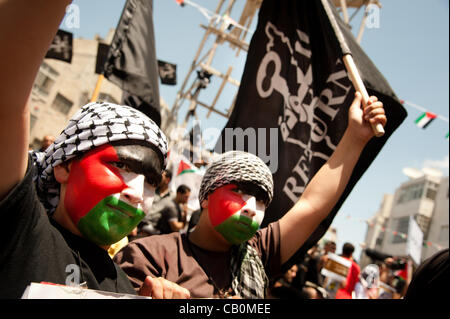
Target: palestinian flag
187	174
425	119
184	168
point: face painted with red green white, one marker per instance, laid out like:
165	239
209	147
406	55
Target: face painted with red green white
234	214
109	191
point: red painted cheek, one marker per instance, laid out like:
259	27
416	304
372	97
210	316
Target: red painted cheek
223	203
91	179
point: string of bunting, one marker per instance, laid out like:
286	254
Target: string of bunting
211	16
394	232
426	117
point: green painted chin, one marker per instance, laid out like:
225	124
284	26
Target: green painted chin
109	221
237	229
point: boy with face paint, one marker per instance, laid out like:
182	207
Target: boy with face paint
61	209
227	254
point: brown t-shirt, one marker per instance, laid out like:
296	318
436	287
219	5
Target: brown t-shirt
170	256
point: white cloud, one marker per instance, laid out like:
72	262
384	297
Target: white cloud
438	164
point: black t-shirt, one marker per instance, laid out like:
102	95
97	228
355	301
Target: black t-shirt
170	211
34	248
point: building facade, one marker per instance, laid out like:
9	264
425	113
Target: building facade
61	88
425	199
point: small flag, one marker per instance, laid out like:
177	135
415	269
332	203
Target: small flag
180	2
189	175
425	119
167	72
102	55
61	47
184	168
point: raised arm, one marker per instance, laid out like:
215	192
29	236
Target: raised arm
326	187
26	31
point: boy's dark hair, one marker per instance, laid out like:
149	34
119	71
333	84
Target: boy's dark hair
348	249
168	173
183	189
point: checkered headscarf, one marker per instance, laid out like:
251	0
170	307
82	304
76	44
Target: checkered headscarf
235	167
93	125
250	280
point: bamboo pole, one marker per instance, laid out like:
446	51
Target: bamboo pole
378	129
97	88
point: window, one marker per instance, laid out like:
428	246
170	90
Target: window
431	190
105	97
410	193
62	104
45	79
423	222
431	194
43	84
401	226
379	240
48	69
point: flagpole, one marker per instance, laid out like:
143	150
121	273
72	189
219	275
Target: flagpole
378	129
352	70
97	88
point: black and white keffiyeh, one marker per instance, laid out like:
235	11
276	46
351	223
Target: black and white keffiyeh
249	276
95	124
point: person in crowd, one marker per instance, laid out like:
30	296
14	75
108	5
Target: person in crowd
346	291
227	254
174	211
149	225
329	247
193	221
308	269
288	276
313	291
163	190
369	283
63	208
46	142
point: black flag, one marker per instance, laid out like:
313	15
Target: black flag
102	55
61	47
131	62
167	72
295	83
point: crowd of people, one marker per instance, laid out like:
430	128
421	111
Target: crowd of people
102	180
384	278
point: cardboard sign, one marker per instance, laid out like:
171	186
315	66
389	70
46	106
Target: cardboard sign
336	267
414	243
53	291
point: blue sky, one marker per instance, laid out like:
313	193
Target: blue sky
410	47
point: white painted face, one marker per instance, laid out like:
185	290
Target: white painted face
139	193
253	208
